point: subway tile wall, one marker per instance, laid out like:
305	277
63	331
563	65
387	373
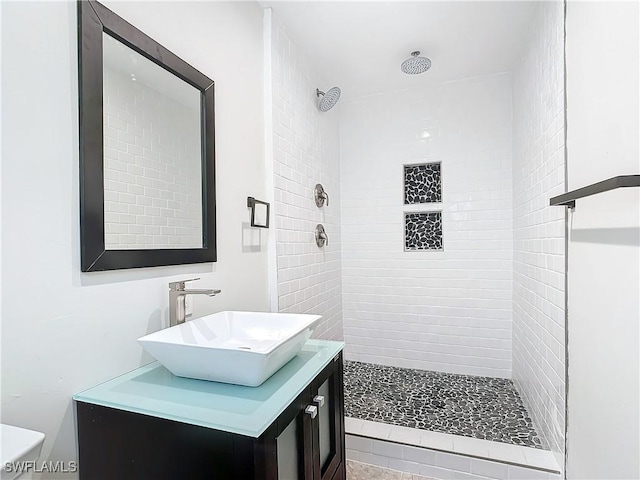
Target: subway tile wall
447	310
153	192
539	235
306	152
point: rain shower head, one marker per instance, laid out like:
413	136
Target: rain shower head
415	64
328	99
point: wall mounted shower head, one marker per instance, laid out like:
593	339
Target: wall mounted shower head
328	99
415	64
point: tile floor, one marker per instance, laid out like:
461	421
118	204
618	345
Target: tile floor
479	407
363	471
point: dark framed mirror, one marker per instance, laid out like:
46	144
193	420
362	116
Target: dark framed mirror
147	149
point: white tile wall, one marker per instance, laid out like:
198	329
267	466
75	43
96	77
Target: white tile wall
153	193
305	152
445	311
539	237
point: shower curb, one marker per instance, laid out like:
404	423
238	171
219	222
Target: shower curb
442	455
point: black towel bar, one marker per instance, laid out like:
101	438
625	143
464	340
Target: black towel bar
569	199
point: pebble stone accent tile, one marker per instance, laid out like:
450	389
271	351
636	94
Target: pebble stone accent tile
423	231
479	407
363	471
422	183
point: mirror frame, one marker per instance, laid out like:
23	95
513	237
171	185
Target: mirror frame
94	19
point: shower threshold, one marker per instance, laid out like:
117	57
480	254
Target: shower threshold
481	417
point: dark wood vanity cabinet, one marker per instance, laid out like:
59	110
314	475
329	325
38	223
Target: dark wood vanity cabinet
308	438
306	442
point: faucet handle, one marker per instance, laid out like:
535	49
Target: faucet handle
180	284
320	195
322	238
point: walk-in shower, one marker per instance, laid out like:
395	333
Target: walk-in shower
440	275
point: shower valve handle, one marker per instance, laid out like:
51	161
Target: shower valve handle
320	195
321	236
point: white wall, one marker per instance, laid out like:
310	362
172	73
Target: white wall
604	241
63	331
446	311
305	152
538	229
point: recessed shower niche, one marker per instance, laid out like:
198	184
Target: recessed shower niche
422	183
423	231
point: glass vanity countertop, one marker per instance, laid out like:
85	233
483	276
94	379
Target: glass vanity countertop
153	390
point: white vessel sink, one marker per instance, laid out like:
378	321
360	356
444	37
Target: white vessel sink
243	348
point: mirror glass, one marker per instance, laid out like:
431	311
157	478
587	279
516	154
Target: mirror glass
152	154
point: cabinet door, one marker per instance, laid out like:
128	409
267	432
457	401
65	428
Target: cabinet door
328	432
293	433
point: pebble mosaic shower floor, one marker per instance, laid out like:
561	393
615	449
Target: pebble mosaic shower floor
479	407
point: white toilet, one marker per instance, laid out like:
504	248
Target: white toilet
18	445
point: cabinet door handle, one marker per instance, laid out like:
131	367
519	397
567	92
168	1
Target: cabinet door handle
319	399
311	410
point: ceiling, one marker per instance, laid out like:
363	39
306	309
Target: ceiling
359	46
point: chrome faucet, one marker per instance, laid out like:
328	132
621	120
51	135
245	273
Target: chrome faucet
177	294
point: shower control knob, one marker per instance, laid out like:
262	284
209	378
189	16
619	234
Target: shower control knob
320	196
319	399
322	238
311	410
